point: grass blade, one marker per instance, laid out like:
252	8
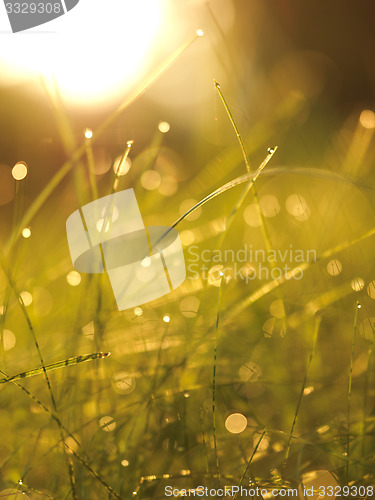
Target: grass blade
54	366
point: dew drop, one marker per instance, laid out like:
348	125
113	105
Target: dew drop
19	171
138	311
271	150
26	232
164	127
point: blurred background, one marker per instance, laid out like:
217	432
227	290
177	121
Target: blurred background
226	380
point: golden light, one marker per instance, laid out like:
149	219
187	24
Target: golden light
150	179
297	206
138	311
168	185
367	119
371	289
26	232
250	372
277	309
166	318
187	237
123	383
19	171
121	167
102	160
26	298
334	267
251	215
124	463
308	390
269	205
42	302
236	423
107	424
263	444
73	278
357	284
88	330
268	327
71	445
366	328
321	482
189	306
187	205
164	127
88	133
215	275
74	44
9	340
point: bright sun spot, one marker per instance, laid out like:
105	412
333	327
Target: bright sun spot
88	133
19	171
94	52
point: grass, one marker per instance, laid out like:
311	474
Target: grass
80	432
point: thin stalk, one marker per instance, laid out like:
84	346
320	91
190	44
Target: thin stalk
214	378
204	443
249	177
93	472
366	385
250	460
309	362
239	138
54	366
251	186
358	306
91	168
120	165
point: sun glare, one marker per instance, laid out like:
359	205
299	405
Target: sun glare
93	55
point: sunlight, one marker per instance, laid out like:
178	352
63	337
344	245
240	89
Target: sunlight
95	54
